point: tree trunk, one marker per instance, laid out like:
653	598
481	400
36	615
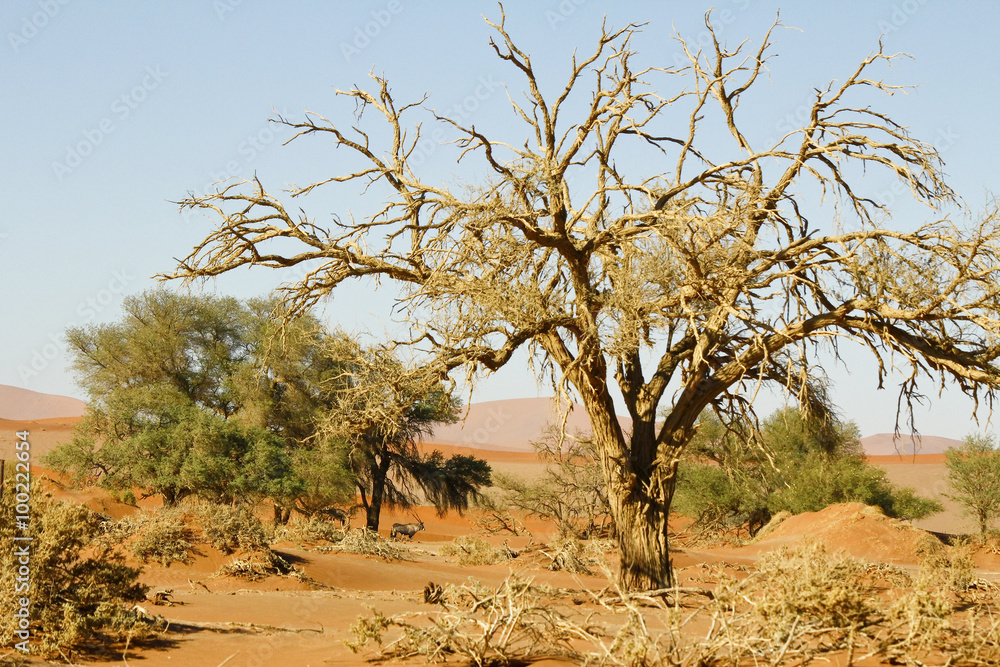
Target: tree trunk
641	526
640	489
379	473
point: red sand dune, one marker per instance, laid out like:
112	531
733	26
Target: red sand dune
17	403
888	444
512	424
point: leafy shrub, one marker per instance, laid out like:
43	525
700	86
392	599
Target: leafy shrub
789	464
974	475
78	589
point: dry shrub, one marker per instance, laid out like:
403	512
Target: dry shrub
258	564
507	625
79	590
798	606
315	529
367	543
231	528
495	520
572	555
164	537
476	551
807	587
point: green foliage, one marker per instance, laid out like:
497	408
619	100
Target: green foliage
326	477
197	395
78	588
788	464
974	475
382	409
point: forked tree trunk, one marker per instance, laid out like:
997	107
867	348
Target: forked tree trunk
639	508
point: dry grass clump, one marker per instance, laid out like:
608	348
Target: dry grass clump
81	592
257	564
472	550
315	529
572	555
367	543
164	537
507	625
231	528
808	588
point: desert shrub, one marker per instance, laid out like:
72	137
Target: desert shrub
231	528
789	464
808	586
472	550
78	590
163	537
571	494
367	543
257	564
511	624
314	529
974	475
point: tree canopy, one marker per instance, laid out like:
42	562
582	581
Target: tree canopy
974	475
210	396
635	235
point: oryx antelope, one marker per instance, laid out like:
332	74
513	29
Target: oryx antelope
408	529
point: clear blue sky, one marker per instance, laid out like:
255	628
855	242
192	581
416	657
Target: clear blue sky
112	110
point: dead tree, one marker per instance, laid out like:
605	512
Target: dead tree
684	262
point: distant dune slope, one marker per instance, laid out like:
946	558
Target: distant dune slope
17	403
886	444
511	425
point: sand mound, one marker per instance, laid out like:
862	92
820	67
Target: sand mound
861	531
17	403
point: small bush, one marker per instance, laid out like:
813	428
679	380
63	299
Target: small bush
367	543
315	529
79	589
257	564
809	587
476	551
163	537
231	529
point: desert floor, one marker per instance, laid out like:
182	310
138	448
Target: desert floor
288	621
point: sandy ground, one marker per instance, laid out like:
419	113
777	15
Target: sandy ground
287	622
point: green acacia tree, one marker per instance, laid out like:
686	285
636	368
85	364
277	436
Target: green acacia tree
383	410
193	395
974	475
791	462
